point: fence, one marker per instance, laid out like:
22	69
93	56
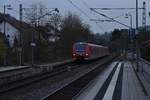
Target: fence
145	69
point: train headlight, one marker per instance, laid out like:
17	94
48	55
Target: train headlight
86	54
74	54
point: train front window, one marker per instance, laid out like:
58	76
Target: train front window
80	47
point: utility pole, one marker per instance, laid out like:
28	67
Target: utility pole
5	54
131	35
136	39
32	45
5	37
20	44
144	15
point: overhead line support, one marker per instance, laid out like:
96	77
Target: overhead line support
109	18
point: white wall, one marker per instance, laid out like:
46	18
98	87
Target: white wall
11	31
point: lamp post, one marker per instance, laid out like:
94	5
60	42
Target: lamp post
5	37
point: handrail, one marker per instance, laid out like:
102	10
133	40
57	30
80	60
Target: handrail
145	61
145	69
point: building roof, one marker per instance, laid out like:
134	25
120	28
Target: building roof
16	23
26	28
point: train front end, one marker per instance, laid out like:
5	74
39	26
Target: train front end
80	51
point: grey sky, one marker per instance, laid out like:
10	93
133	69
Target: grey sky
64	6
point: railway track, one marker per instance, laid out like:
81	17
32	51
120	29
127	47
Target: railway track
10	74
34	78
71	90
57	70
11	90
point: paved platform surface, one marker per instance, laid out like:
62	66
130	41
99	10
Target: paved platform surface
131	87
117	82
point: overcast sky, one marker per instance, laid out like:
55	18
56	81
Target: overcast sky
64	6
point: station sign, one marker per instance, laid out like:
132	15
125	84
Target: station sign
32	44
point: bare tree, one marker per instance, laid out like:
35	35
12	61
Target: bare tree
41	14
35	14
31	14
55	20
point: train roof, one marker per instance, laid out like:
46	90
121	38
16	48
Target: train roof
91	44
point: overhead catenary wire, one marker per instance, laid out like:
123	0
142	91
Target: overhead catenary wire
18	13
21	2
85	4
113	17
109	18
116	8
78	8
123	14
96	22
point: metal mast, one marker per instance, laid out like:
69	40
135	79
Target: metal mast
144	15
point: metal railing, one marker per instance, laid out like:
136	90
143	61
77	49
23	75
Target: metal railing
145	68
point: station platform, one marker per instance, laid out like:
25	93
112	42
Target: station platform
119	81
11	68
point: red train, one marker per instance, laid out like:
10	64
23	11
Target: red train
85	51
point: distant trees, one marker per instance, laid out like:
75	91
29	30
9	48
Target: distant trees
102	39
119	40
73	30
143	35
55	20
116	34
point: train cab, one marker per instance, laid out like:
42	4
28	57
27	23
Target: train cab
80	50
85	51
